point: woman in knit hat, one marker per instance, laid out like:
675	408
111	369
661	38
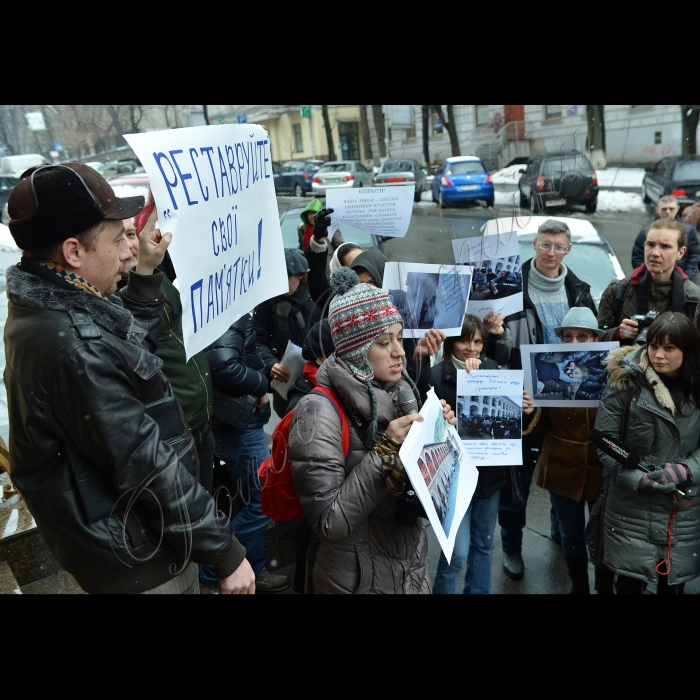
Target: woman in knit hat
368	541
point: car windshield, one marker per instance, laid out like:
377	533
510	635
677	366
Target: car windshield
567	167
465	168
132	191
290	221
335	168
397	166
587	259
687	170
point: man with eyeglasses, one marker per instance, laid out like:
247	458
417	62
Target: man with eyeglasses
550	289
668	208
657	285
99	447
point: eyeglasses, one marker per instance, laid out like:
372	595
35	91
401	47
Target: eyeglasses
583	338
544	245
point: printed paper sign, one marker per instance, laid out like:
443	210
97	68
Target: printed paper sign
489	415
497	284
293	362
441	475
384	211
566	375
428	296
214	191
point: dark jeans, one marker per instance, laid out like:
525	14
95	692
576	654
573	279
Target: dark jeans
512	524
572	524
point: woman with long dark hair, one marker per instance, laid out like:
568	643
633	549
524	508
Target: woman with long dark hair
650	531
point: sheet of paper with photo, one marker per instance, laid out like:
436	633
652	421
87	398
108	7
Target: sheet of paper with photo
384	211
547	367
490	392
491	250
429	296
440	473
293	362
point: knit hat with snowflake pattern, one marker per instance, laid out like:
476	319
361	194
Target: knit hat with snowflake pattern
359	314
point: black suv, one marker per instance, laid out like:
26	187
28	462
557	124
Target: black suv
676	175
557	180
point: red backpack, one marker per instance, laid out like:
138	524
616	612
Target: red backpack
278	497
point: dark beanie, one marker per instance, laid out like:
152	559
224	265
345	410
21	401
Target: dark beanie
297	264
319	342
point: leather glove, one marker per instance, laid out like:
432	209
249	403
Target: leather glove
322	220
666	479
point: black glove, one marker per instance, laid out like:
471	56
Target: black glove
322	220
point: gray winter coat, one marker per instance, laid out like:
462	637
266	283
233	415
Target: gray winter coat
361	547
636	522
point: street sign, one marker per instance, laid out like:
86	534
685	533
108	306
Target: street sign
35	121
305	111
242	119
58	146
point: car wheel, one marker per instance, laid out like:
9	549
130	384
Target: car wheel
298	190
591	206
432	191
535	206
645	196
490	202
417	195
524	201
441	201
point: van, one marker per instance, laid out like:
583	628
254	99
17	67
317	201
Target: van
16	165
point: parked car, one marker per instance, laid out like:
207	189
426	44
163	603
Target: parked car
591	258
96	165
7	182
400	173
676	175
289	222
558	180
294	177
462	179
341	173
132	186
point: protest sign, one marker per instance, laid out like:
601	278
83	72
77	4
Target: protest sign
441	475
214	191
497	284
566	375
384	211
293	362
428	296
489	415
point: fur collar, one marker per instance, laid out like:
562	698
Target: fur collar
25	289
627	362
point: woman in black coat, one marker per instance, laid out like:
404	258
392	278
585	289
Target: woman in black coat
474	542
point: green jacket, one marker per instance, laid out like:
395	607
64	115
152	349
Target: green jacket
191	381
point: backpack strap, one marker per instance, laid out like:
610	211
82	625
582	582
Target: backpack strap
620	295
344	425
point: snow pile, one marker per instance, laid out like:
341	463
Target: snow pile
509	176
616	200
506	199
426	200
7	243
620	177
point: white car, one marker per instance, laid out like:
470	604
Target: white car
340	173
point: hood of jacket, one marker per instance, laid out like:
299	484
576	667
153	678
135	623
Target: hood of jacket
315	206
372	260
639	272
630	363
26	289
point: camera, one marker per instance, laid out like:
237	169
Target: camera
408	506
644	321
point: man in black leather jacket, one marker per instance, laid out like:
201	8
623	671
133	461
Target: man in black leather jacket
99	447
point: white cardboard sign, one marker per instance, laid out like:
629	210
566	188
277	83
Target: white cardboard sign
214	191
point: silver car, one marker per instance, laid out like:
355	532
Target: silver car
340	173
400	173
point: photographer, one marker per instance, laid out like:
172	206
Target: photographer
658	285
650	533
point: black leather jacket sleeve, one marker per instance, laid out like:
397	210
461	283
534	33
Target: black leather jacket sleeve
262	320
144	298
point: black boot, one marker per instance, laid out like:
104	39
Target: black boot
578	572
604	581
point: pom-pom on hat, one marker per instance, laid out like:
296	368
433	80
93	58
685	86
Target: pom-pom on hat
359	314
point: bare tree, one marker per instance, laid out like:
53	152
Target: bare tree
380	126
366	139
596	135
450	125
425	110
690	115
329	132
206	114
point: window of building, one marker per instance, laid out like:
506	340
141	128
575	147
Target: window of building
657	137
401	115
298	140
483	112
411	133
553	111
438	128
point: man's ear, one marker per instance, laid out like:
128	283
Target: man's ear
681	253
72	253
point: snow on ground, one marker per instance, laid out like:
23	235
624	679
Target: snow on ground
426	199
7	243
506	199
620	177
615	200
509	176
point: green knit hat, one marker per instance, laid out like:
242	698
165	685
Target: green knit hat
315	206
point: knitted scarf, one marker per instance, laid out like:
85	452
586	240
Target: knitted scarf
62	276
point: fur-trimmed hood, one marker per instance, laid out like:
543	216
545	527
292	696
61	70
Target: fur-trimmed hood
627	363
26	289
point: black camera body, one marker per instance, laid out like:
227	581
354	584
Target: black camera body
408	506
644	321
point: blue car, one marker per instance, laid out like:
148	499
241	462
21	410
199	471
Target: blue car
295	176
462	179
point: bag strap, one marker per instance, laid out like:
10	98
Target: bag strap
344	425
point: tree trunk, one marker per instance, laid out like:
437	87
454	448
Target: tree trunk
426	135
366	139
206	115
690	115
449	124
329	132
380	127
135	120
595	116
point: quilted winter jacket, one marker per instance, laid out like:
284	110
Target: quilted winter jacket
361	547
636	522
78	380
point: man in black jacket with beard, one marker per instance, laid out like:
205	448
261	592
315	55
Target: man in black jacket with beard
99	447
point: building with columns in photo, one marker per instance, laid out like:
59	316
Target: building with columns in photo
491	406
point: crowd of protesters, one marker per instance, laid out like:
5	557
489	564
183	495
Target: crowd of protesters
119	444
